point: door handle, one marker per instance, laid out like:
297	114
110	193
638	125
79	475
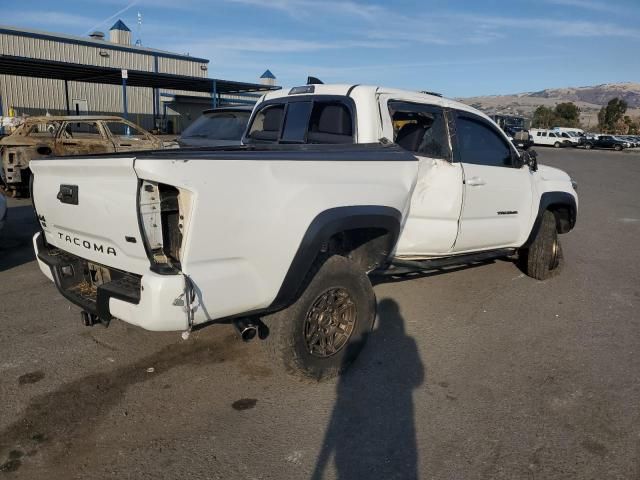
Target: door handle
476	182
69	143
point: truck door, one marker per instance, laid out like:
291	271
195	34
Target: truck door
432	222
498	196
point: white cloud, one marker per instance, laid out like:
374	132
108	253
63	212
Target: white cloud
586	4
48	19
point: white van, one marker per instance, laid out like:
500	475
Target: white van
548	137
574	135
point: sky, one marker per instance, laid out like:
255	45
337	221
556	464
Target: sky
458	48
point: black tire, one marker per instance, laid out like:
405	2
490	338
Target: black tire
543	258
588	146
292	331
617	148
557	145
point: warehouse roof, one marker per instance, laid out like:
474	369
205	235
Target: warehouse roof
33	67
91	42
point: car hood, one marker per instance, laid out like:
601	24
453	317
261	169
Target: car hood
551	173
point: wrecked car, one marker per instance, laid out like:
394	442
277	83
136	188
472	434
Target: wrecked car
44	136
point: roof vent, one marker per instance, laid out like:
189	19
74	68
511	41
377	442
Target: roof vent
268	78
97	35
120	33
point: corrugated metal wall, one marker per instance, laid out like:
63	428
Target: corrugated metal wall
64	51
36	96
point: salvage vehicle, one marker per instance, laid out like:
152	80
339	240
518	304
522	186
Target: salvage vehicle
44	136
3	210
606	141
279	236
217	127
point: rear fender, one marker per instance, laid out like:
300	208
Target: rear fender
317	237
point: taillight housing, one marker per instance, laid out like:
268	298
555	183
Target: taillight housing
162	225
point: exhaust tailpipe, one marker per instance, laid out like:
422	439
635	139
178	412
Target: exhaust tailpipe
246	328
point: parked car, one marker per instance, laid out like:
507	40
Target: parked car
548	138
335	182
633	141
606	141
44	136
217	127
3	210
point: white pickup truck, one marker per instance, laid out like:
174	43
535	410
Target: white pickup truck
280	235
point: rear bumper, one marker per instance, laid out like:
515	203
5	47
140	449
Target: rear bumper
151	301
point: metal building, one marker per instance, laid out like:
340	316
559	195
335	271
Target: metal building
39	75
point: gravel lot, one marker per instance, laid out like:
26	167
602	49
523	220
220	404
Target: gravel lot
477	373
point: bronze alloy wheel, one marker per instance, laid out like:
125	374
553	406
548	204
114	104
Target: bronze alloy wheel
329	323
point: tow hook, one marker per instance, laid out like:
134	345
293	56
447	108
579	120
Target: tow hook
91	319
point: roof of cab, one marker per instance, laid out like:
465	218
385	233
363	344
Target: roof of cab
408	95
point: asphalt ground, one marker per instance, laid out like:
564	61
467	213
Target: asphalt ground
477	373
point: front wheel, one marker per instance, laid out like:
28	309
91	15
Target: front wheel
557	145
617	148
322	333
543	258
588	146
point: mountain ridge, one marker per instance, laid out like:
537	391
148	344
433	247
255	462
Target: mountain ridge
590	99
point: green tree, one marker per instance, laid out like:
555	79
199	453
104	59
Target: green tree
543	117
610	116
567	114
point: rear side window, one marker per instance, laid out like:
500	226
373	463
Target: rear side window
479	144
124	130
312	121
420	128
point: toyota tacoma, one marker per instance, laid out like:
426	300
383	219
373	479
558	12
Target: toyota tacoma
280	235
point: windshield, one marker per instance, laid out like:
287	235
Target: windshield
218	126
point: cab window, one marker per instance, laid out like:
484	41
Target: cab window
420	128
303	121
266	124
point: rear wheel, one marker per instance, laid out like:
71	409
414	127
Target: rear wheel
323	332
617	148
588	146
543	258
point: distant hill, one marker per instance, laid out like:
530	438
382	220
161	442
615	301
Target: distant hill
589	99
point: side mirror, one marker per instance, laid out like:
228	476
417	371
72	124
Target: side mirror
530	157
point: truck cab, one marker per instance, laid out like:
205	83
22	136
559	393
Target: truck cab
472	190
